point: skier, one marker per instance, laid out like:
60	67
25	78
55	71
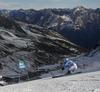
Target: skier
72	66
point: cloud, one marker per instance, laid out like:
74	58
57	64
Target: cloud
41	4
14	5
54	0
2	5
17	5
51	0
92	5
60	0
7	5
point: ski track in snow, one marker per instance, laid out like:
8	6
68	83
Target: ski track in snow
84	82
88	81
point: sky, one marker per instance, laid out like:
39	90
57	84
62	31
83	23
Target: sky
41	4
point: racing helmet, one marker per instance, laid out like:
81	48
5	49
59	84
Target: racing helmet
66	59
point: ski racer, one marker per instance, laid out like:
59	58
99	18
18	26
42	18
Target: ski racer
72	66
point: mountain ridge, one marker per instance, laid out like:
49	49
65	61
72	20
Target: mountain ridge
80	25
38	46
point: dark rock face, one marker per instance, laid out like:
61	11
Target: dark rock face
94	51
79	25
36	45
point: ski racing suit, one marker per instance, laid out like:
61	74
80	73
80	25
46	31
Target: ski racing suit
72	67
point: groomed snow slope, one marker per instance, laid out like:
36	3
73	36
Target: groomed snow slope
84	82
87	81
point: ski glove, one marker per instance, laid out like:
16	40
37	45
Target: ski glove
62	68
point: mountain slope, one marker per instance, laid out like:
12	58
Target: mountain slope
95	50
36	45
85	82
79	25
91	58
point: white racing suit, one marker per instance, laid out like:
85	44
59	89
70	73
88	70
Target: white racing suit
72	67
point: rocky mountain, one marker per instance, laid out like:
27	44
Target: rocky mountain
90	59
79	25
38	46
94	51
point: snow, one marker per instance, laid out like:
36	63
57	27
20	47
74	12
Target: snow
53	18
18	42
79	7
36	35
66	18
87	81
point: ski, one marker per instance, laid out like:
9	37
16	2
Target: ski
55	76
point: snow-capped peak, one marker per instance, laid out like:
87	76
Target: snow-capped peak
78	8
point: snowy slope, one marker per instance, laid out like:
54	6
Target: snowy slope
80	25
89	62
87	81
84	82
92	57
38	46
